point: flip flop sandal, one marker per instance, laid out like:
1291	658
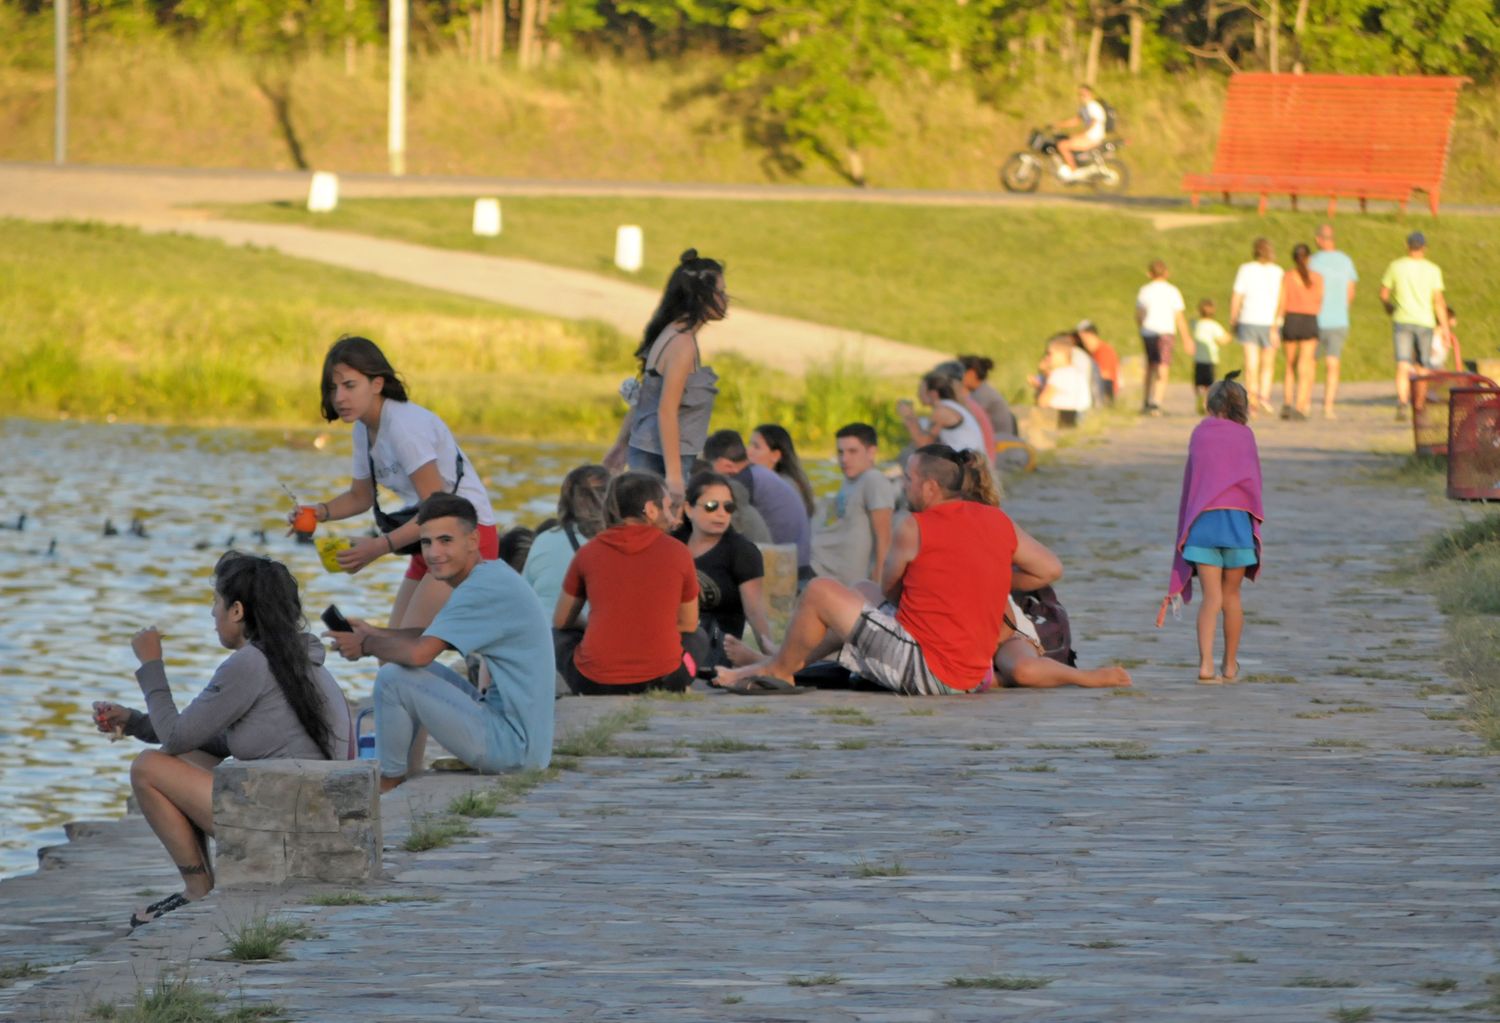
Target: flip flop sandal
159	909
763	685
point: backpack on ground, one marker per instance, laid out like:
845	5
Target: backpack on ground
1051	620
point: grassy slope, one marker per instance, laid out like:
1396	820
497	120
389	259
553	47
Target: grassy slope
992	280
98	321
596	118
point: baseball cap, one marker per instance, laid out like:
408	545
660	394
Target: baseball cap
1416	240
1085	325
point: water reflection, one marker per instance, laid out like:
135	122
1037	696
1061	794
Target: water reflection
66	618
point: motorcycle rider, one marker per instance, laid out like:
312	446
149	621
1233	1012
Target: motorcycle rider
1091	119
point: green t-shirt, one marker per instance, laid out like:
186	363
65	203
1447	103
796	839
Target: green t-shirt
1412	282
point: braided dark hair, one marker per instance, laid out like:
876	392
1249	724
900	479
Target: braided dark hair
693	296
274	624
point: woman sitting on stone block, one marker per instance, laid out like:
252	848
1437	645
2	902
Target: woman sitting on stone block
271	698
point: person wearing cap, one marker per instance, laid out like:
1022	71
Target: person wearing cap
1106	359
1411	289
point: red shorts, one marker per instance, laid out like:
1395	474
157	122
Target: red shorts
489	550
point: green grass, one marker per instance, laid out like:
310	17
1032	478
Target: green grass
1439	986
18	971
507	789
1042	768
868	868
1462	568
342	899
263	937
1001	983
435	832
1308	980
725	744
598	739
1352	1014
176	999
911	273
1451	783
852	744
846	715
817	980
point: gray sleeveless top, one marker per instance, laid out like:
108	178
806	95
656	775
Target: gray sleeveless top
693	412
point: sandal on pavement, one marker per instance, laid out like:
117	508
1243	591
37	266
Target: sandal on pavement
159	909
763	685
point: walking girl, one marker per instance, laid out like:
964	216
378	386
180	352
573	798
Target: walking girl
673	398
1218	526
409	451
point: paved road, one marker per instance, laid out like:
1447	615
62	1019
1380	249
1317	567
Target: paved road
1319	837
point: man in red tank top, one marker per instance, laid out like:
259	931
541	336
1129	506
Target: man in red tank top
950	571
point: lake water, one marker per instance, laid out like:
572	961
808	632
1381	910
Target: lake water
66	618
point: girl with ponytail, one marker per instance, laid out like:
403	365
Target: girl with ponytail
673	398
271	698
1301	300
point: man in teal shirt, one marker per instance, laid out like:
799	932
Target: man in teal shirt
492	612
1339	278
1411	289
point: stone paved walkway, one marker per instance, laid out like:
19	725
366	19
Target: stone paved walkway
1316	838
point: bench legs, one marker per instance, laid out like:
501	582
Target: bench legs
1333	205
1261	209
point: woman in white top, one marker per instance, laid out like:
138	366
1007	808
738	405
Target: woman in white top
410	452
1253	321
950	423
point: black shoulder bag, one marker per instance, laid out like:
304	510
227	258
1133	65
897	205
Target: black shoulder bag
388	523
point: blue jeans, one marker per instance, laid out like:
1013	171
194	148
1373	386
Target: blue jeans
650	461
440	700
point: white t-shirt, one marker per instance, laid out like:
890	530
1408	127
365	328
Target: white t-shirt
1161	302
1069	389
409	438
1260	283
966	436
1092	114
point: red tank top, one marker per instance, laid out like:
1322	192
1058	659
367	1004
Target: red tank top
954	592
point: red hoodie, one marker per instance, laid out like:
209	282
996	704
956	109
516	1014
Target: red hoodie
635	578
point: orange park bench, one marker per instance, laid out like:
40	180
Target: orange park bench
1332	136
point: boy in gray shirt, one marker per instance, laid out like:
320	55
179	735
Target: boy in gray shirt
852	544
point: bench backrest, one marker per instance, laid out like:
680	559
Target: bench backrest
1363	126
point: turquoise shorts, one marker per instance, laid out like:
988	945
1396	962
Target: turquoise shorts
1224	557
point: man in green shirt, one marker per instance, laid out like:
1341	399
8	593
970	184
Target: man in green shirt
1411	289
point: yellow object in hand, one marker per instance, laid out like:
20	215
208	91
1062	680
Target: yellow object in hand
328	550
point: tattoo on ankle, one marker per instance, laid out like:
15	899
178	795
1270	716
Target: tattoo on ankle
188	871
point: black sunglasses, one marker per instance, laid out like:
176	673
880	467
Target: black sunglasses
714	506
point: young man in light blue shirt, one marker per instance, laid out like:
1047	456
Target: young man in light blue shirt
493	613
1339	279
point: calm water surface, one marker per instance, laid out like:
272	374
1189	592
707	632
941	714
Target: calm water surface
66	618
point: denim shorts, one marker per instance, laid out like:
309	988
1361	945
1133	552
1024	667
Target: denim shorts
1331	341
1253	334
1412	343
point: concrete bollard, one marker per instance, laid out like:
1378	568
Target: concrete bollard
487	218
323	193
630	248
277	821
780	585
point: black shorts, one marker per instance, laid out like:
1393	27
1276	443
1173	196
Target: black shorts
1299	327
1158	348
1203	374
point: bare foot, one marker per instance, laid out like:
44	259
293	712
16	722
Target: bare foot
1104	678
740	654
1229	674
724	677
1206	672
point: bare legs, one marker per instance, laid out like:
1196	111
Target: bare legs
1330	384
1156	383
1018	662
1297	384
1403	384
176	797
1252	375
825	617
1221	594
1267	375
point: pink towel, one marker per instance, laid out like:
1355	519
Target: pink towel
1223	471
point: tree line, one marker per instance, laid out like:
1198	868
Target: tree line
807	72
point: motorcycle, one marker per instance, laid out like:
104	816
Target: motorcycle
1100	167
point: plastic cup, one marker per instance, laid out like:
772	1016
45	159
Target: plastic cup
306	522
328	551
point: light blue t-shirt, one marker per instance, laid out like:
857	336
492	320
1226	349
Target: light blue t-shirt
495	614
1338	273
546	564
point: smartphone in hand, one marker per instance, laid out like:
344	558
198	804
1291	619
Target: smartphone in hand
335	620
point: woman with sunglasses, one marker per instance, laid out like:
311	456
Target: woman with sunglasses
730	571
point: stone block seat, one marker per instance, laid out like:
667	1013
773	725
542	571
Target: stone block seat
282	821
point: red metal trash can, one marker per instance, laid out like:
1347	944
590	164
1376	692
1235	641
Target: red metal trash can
1429	407
1474	444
